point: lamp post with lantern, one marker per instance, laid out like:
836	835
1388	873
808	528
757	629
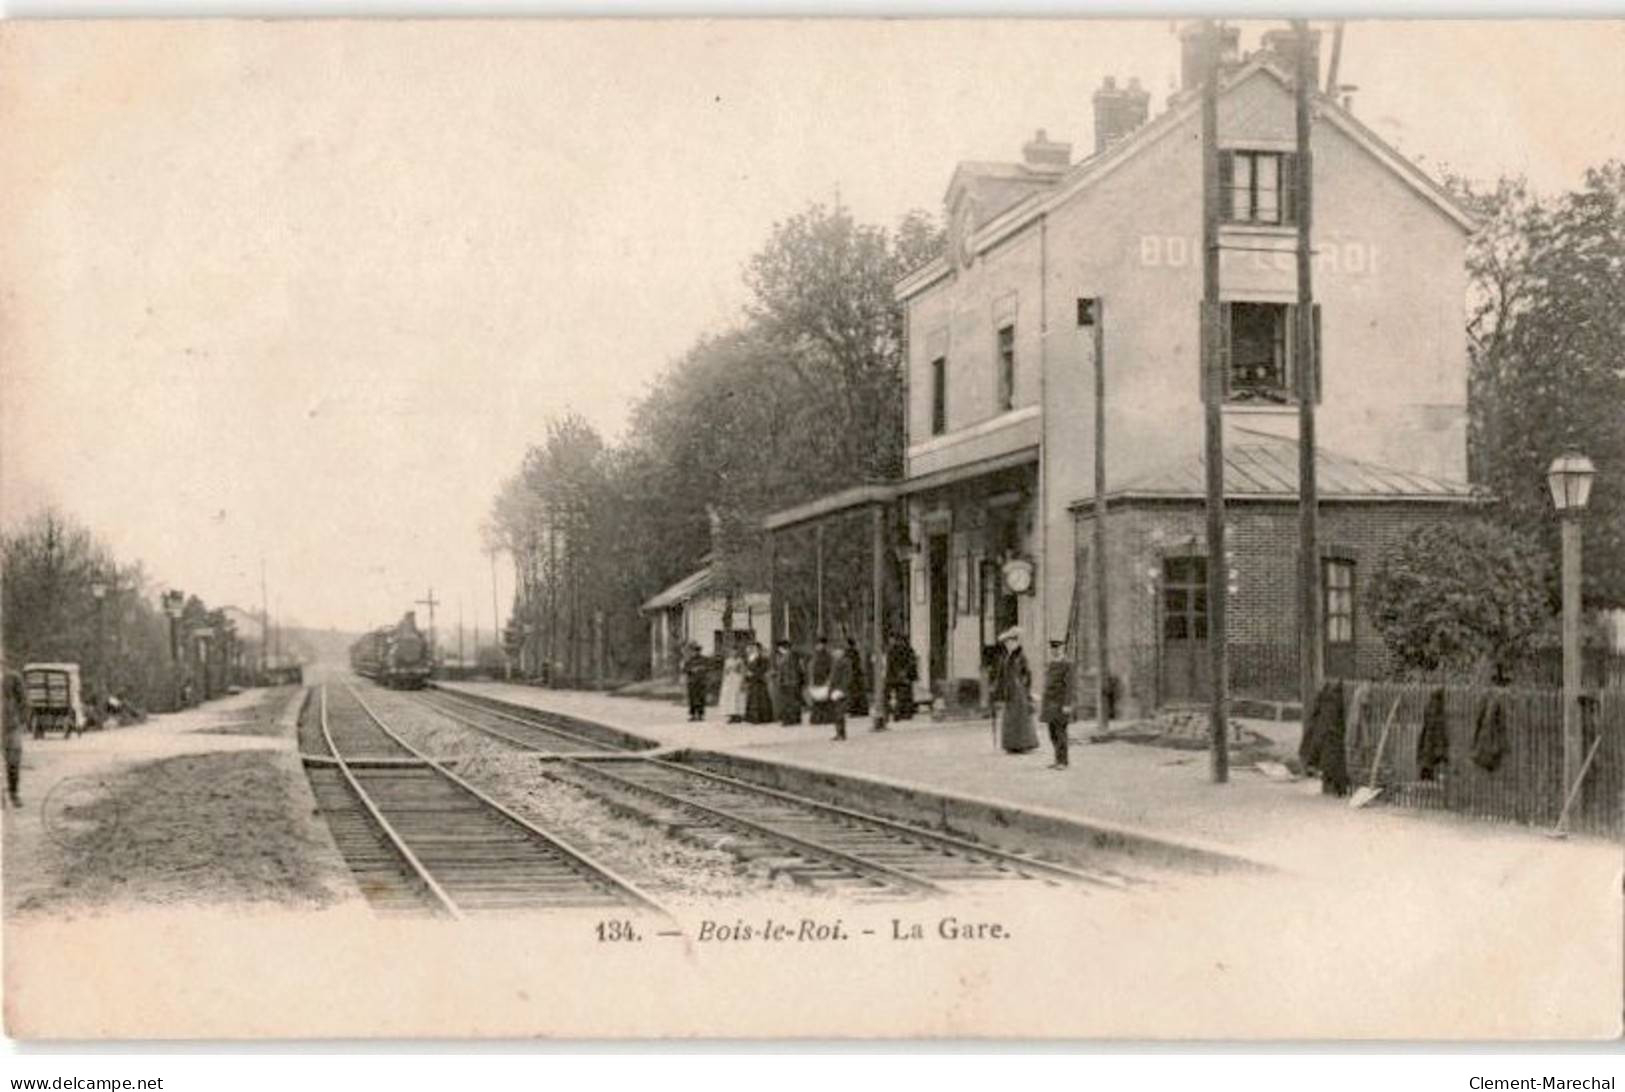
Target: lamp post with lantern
98	592
1569	478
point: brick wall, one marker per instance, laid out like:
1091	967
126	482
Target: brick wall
1262	540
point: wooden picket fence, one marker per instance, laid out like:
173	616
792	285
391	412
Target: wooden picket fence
1526	785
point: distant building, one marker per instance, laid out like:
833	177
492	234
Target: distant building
692	610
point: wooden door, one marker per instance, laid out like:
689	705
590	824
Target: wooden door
1183	620
937	594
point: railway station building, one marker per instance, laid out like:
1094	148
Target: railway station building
1057	266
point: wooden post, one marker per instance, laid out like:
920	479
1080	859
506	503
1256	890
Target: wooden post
818	566
877	556
1573	743
1309	644
1102	607
1213	391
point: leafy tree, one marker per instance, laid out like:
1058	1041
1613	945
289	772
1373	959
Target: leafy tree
1545	326
47	566
803	398
1461	598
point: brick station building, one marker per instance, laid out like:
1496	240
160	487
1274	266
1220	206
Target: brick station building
998	492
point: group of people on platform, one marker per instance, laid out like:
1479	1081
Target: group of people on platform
831	685
828	685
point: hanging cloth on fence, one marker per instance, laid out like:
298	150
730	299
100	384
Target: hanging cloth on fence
1433	745
1324	740
1359	725
1490	734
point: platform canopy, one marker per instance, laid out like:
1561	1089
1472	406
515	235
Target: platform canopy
831	504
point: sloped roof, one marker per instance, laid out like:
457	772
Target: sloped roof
1259	466
681	592
994	187
693	586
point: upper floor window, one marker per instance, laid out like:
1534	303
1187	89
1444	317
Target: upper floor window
1260	352
1007	369
1259	185
939	396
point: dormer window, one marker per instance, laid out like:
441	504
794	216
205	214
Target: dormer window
1258	186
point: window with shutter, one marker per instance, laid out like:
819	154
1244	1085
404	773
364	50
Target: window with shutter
1256	187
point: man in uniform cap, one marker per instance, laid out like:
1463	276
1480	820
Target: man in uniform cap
1055	710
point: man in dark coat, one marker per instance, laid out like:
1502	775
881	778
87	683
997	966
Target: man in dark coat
902	672
1056	709
15	721
696	672
787	683
840	690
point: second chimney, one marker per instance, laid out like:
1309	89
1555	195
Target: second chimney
1119	111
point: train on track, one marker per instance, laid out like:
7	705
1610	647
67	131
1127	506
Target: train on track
397	656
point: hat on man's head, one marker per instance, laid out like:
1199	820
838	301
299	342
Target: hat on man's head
1011	634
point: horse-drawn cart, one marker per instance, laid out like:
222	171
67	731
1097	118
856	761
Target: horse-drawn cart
55	698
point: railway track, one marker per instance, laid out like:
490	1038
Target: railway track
421	839
531	734
819	845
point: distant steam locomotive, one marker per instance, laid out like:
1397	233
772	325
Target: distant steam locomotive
396	656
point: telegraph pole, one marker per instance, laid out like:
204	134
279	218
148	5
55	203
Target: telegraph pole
1102	606
265	623
431	602
496	619
1309	643
1213	418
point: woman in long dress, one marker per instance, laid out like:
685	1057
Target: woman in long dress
1012	689
758	699
731	702
788	682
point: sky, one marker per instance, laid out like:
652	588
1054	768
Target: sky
303	293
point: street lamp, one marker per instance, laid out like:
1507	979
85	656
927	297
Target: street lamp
98	592
1569	478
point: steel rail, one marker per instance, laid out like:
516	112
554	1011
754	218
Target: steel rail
806	845
444	901
590	744
583	862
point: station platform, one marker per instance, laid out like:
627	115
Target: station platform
1155	793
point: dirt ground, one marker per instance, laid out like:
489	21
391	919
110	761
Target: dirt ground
205	807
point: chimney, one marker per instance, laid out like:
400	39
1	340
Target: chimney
1190	53
1046	156
1119	111
1283	45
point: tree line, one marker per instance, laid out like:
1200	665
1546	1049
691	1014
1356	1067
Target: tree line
804	395
51	568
